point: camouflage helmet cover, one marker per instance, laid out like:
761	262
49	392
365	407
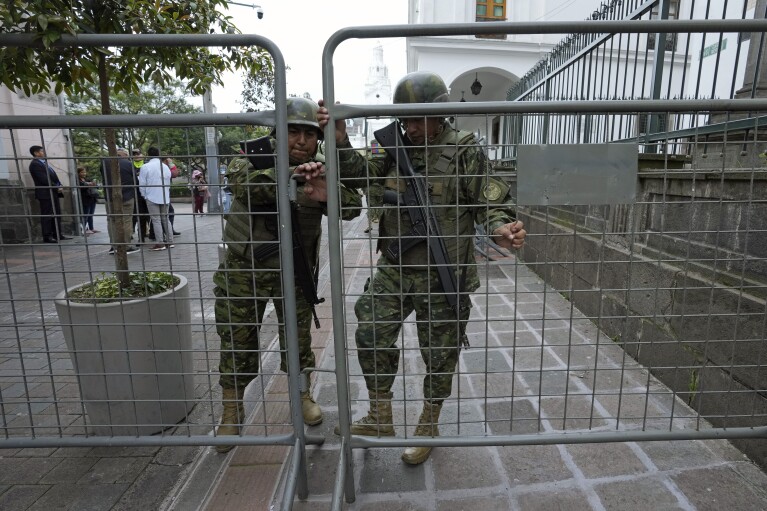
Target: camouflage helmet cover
304	112
420	87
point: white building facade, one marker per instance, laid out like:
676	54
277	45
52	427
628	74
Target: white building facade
17	221
15	144
495	62
698	65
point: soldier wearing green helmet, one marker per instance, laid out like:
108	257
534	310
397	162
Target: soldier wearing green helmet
420	87
250	274
303	112
463	191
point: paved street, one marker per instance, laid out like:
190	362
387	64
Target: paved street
565	376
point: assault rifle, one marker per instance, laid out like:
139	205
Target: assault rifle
416	200
260	154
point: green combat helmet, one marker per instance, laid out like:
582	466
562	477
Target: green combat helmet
420	87
304	112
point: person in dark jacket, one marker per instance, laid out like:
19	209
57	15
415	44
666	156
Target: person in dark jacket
120	225
140	213
88	195
47	192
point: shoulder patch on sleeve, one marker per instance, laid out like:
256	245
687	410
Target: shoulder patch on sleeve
492	191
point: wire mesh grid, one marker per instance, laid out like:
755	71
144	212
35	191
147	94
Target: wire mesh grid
73	369
630	317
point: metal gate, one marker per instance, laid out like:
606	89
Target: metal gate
149	372
670	278
553	340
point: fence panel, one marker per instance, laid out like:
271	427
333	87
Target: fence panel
137	372
617	321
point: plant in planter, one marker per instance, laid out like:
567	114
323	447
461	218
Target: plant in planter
93	333
131	348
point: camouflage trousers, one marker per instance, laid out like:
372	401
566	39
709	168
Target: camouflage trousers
242	294
374	198
389	298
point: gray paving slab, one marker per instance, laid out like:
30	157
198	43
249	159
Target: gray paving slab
126	478
720	487
85	497
551	358
143	494
20	497
567	377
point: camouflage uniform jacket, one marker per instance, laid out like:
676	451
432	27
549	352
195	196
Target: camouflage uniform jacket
463	191
252	226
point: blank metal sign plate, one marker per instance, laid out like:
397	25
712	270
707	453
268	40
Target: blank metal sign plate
576	174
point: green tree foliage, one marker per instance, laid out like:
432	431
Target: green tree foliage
73	69
258	89
185	145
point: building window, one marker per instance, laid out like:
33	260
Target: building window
491	10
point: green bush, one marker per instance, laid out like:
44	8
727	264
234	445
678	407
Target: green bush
106	289
180	190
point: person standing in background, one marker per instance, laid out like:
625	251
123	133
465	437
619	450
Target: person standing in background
226	190
154	185
171	211
48	191
141	213
89	192
127	186
199	192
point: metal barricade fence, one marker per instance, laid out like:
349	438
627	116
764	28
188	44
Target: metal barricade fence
137	372
635	312
552	340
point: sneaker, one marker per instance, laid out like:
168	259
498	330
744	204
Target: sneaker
171	245
111	251
133	250
176	233
157	247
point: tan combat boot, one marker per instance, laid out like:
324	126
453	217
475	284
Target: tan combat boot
309	407
378	421
427	426
232	416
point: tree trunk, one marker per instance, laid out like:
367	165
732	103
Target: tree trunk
115	191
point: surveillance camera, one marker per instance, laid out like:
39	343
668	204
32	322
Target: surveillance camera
260	13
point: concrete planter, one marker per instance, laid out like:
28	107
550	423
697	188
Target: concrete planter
133	360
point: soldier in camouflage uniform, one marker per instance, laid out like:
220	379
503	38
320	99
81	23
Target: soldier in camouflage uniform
250	275
462	191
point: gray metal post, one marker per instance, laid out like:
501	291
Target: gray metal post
657	72
211	156
755	79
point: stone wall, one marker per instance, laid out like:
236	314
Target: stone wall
19	214
678	280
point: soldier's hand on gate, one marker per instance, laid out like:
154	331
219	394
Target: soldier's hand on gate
309	171
510	235
323	117
317	190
